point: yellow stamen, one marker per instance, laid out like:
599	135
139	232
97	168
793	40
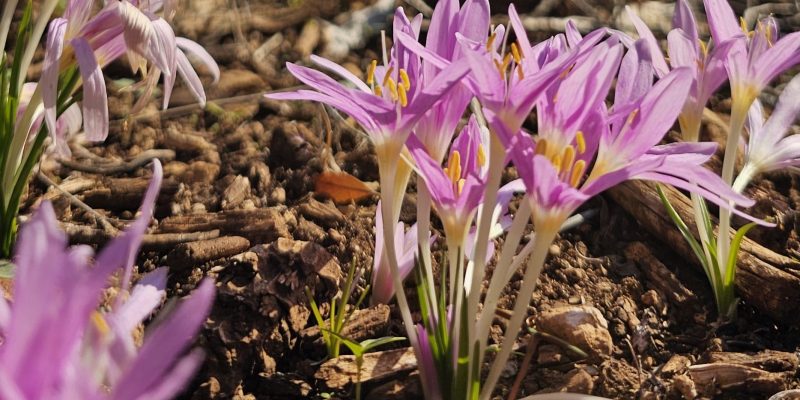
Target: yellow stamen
743	24
392	85
632	116
387	76
577	173
405	80
703	47
460	185
490	42
556	161
506	61
481	156
541	147
499	68
100	324
454	167
567	158
371	72
515	53
581	142
566	71
378	91
401	92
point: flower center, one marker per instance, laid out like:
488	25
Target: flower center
397	91
564	160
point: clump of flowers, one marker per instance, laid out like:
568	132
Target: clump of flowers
78	45
56	344
582	146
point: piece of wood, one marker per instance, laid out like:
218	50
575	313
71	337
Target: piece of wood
192	254
341	371
262	225
764	279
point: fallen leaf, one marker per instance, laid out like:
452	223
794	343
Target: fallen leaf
342	187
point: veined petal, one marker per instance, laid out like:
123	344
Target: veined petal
174	380
163	49
95	100
439	185
145	297
201	54
656	56
781	56
49	79
635	76
165	342
441	38
682	50
722	21
188	74
473	20
341	71
367	121
683	19
138	29
573	34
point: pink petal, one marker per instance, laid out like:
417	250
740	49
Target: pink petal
95	102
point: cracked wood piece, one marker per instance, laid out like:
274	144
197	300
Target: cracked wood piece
196	253
262	225
88	235
768	360
341	371
728	376
363	324
758	268
121	194
658	274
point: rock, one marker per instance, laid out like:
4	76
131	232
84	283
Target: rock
341	371
793	394
685	386
193	254
676	365
324	213
235	193
580	325
579	381
549	354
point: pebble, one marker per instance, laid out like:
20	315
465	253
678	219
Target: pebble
583	326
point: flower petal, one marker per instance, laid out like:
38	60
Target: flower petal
49	79
201	54
95	100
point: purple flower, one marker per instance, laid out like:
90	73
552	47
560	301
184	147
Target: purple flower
769	148
120	28
686	49
756	57
626	150
59	346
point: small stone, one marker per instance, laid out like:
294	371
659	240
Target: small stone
575	275
651	298
685	386
549	354
555	250
235	193
676	365
579	381
278	196
583	326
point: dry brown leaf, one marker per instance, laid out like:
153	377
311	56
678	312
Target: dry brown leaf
342	187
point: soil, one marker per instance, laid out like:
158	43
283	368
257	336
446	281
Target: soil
239	204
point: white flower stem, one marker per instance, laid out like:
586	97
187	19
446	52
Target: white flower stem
45	12
423	235
501	272
16	149
541	244
5	21
738	117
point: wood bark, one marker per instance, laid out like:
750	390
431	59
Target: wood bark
767	280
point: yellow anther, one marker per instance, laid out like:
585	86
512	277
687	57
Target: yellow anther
556	161
405	80
490	42
453	169
100	324
703	47
581	142
541	147
387	76
401	93
515	53
743	24
392	85
371	72
481	156
566	72
378	91
460	185
632	116
506	61
567	158
577	173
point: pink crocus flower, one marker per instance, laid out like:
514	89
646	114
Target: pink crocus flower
706	62
94	41
756	57
771	146
59	346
